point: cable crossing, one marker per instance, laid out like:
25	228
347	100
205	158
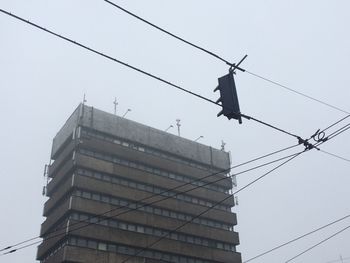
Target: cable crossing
164	192
223	59
145	72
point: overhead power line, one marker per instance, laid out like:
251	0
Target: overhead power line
339	260
172	189
132	67
144	72
208	209
318	244
140	206
223	59
171	34
297	92
205	211
336	156
292	156
297	238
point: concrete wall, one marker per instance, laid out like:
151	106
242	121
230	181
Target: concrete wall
66	131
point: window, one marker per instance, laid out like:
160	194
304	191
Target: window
123	226
132	227
83	217
105	199
157	211
87	195
102	246
92	244
81	242
219	245
112	248
96	197
72	241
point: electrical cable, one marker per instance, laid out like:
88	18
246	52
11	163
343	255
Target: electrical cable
345	128
339	260
252	182
335	155
298	92
142	71
335	123
257	179
317	244
208	209
293	240
224	60
174	188
143	205
171	34
296	239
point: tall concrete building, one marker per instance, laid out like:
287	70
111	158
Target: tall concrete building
117	186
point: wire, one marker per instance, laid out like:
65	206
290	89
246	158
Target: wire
171	34
224	60
249	184
133	209
143	72
343	129
297	238
137	69
298	92
335	155
157	201
208	209
174	188
339	260
332	125
317	244
293	240
187	222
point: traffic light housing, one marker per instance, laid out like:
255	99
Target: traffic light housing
229	98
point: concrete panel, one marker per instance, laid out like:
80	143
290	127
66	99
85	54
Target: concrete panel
142	240
66	131
98	208
148	178
133	131
153	161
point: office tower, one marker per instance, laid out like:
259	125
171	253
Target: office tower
117	186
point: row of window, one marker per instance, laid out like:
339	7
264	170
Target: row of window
141	148
156	171
54	251
153	231
151	209
127	250
144	187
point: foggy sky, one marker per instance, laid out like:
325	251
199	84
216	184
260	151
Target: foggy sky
301	44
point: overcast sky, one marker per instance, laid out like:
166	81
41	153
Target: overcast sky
301	44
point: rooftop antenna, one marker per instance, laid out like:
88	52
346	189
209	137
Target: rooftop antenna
171	126
126	112
200	137
223	145
115	105
178	126
84	99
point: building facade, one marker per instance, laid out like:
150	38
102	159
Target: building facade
116	187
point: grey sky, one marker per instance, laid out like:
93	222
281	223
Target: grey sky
302	44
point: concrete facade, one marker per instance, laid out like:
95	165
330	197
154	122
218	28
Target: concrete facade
117	186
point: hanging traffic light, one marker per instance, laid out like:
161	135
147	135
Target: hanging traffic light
229	98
